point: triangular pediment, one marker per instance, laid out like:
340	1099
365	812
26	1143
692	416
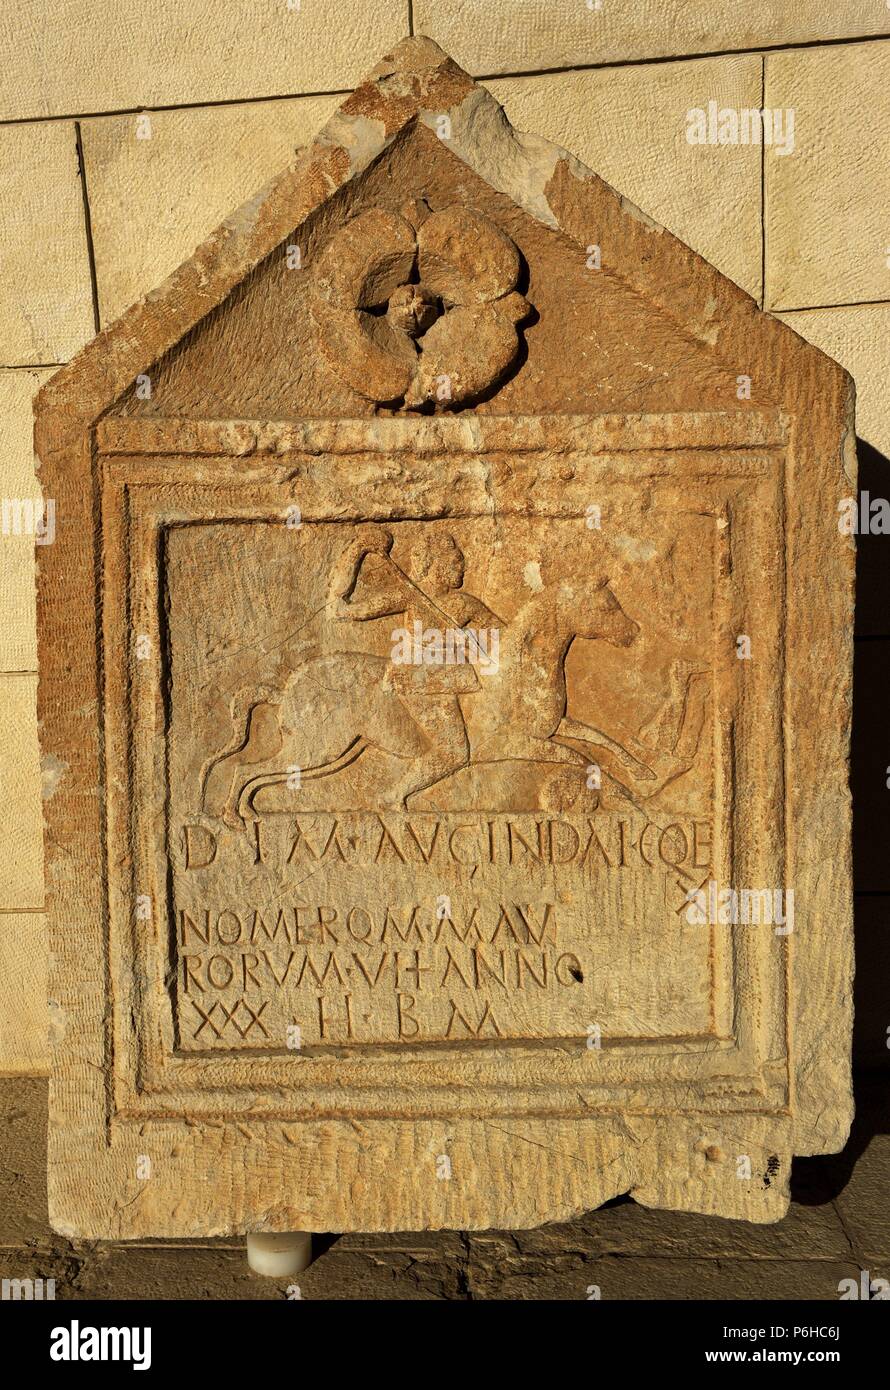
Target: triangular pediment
423	255
308	333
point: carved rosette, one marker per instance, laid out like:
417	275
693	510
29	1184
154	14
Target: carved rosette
416	306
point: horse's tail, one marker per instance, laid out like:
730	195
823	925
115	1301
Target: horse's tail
241	707
244	701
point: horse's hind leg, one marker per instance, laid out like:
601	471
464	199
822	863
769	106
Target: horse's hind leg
262	741
246	789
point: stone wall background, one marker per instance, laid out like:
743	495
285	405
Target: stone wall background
127	132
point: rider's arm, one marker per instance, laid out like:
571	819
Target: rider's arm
381	602
377	606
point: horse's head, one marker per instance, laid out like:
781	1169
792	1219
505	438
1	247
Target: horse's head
600	615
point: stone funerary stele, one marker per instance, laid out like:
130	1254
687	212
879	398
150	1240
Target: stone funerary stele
446	633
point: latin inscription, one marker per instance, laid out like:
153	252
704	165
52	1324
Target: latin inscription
459	961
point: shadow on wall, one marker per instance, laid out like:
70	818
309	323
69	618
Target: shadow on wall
870	776
817	1180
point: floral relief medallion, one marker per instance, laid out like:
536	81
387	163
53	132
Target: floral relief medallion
416	306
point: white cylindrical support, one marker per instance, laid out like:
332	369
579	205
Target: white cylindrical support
279	1255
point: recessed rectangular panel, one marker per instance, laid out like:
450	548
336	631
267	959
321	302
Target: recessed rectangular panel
465	801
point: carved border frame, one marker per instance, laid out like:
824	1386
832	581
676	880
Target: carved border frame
515	1077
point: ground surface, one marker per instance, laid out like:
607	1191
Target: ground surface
838	1225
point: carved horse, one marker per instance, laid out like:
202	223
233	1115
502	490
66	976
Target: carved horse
333	708
525	715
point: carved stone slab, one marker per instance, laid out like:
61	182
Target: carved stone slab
446	648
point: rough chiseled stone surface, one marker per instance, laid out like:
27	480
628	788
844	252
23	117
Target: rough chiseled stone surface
21	870
168	54
818	255
21	493
491	37
160	181
630	124
46	312
857	337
